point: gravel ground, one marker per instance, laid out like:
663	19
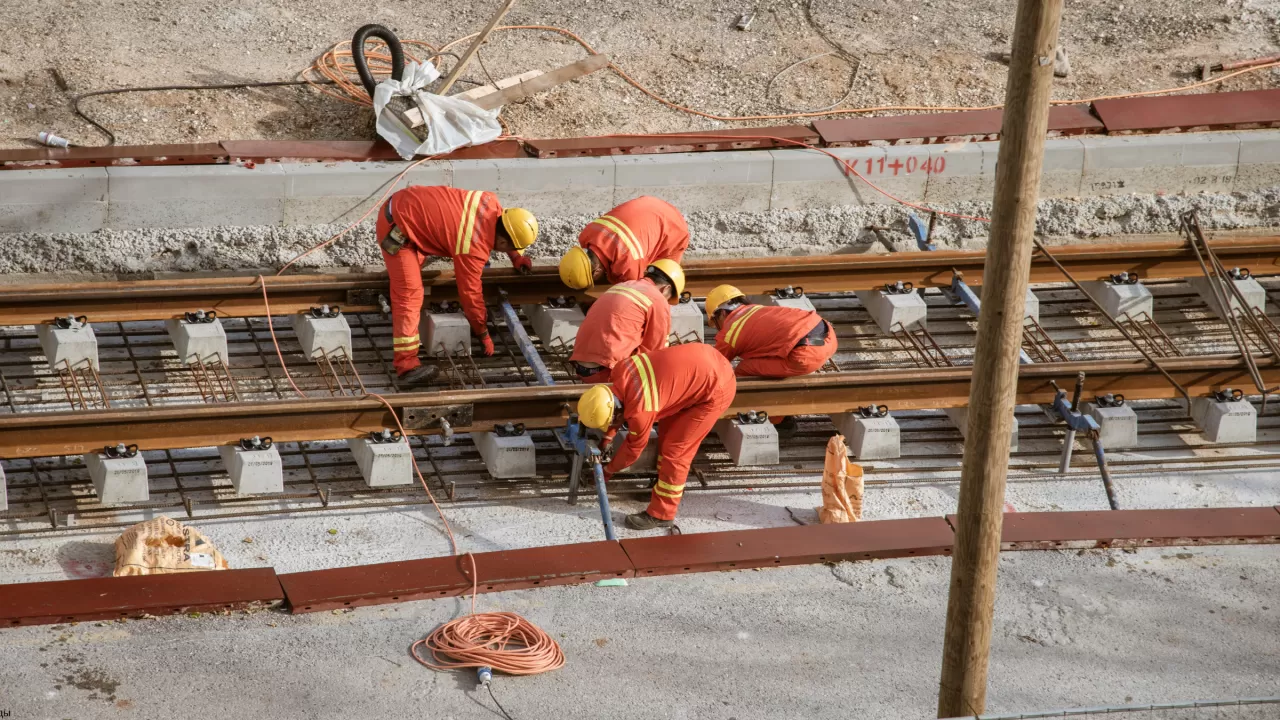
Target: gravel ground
850	640
888	52
820	231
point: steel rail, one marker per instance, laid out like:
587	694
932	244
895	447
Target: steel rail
174	427
241	296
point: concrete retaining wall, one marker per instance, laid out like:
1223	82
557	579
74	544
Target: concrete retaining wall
125	198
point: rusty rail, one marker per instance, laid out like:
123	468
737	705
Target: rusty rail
155	428
241	296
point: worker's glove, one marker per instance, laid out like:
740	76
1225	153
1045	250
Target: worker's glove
522	264
487	343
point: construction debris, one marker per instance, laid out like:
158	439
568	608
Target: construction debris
842	485
164	545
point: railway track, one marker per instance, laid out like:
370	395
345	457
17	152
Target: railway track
155	402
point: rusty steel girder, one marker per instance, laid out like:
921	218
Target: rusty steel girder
173	427
242	296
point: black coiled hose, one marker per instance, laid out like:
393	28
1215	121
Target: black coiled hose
357	54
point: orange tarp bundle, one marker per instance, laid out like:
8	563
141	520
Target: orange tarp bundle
841	485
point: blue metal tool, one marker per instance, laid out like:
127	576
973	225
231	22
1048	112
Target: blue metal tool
574	435
585	451
922	232
1079	422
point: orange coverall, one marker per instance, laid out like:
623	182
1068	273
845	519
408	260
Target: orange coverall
438	222
631	317
767	339
634	234
687	387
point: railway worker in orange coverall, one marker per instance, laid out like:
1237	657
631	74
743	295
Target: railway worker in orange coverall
686	387
421	222
773	342
617	247
631	317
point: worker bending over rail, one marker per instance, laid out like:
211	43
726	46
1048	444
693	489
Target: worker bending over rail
686	387
420	222
617	247
631	317
773	342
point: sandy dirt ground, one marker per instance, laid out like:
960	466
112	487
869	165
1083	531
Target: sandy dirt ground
886	52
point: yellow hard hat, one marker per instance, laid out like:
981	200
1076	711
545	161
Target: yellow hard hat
595	407
672	270
521	225
720	295
575	269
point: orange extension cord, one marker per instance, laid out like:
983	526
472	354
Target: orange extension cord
503	641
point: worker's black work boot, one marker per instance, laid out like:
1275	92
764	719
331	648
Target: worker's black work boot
644	521
421	375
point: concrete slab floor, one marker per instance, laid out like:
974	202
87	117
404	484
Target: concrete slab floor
1073	629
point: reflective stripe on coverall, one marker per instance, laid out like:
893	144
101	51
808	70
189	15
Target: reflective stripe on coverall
633	235
688	387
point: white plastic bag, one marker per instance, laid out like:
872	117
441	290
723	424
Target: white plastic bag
452	122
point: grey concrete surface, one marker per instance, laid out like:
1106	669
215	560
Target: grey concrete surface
853	640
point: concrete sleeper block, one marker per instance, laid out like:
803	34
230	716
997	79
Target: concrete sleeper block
1235	421
445	334
870	438
890	310
1253	293
800	302
253	472
383	464
556	327
118	480
749	443
202	341
75	345
1121	300
1117	426
507	457
687	323
322	336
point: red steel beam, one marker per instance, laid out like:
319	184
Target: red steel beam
113	155
438	577
971	126
112	598
450	576
1209	111
752	138
1139	528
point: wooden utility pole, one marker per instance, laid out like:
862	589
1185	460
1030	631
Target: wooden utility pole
971	603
